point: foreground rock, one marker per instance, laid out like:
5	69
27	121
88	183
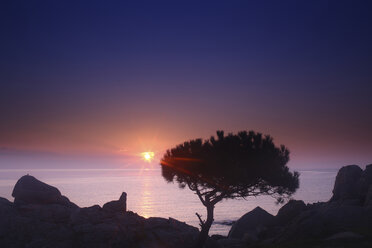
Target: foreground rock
251	224
347	217
41	217
290	211
117	206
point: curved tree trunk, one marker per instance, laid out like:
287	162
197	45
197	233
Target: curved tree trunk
205	226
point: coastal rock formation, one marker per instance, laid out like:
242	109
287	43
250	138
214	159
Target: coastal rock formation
117	206
251	224
368	200
352	184
29	190
347	184
347	216
40	217
289	211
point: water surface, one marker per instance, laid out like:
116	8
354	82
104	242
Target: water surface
149	195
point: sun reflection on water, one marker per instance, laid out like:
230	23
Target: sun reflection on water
146	209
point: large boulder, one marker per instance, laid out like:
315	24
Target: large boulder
29	190
252	223
347	184
289	211
117	206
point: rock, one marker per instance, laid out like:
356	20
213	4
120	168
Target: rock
352	185
212	243
250	238
289	211
368	198
368	173
252	222
346	184
5	201
51	212
66	202
117	206
326	220
217	237
364	183
169	230
7	215
231	243
40	218
344	236
29	190
91	214
349	209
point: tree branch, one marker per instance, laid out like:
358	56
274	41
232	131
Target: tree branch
202	223
200	195
217	199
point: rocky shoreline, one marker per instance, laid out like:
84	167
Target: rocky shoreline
345	218
41	216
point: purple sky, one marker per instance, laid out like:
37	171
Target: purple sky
111	80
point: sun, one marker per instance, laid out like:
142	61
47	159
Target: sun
147	156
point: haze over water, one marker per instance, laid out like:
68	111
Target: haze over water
150	196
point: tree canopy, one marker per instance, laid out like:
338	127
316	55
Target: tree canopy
242	165
231	166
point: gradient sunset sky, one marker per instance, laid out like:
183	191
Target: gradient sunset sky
116	78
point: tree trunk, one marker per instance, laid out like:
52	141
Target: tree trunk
203	235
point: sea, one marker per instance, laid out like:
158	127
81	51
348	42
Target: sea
150	195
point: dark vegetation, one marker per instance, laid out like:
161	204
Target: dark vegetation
228	167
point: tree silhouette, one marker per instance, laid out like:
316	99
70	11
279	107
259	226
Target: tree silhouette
228	167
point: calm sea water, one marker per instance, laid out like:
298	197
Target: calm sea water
149	195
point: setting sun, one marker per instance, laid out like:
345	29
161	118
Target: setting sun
148	156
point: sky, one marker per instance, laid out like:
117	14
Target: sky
107	80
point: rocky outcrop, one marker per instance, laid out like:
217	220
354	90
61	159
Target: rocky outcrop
347	183
29	190
368	200
42	219
251	224
348	212
289	211
117	206
325	220
365	183
352	184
